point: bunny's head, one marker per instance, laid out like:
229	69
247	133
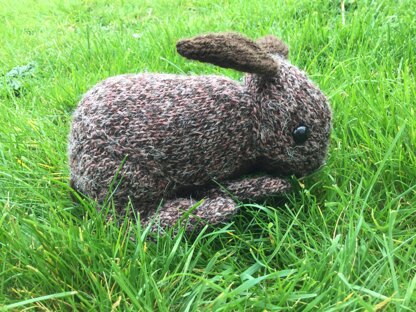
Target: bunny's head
292	116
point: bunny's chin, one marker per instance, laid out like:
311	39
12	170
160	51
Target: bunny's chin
282	170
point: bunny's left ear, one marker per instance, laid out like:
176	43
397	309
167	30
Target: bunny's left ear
272	45
229	50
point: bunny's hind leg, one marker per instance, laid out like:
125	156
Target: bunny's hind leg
186	211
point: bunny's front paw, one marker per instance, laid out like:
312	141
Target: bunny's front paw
256	188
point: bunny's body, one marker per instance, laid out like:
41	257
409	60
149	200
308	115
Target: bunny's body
170	142
172	137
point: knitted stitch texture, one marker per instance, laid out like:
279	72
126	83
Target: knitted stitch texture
174	137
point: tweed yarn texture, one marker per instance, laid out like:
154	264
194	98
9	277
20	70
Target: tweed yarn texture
153	137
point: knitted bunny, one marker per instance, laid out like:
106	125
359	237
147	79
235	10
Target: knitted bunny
178	138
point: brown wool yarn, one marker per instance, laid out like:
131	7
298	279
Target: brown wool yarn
181	139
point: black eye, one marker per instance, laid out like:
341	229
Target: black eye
301	134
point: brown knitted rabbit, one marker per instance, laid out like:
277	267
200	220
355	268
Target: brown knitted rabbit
176	138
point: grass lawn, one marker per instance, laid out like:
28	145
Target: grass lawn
344	241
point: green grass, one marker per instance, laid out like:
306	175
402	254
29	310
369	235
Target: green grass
346	241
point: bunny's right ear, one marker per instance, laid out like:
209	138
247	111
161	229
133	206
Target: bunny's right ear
229	50
273	45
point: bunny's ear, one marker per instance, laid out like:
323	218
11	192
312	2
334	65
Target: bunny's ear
272	45
229	50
